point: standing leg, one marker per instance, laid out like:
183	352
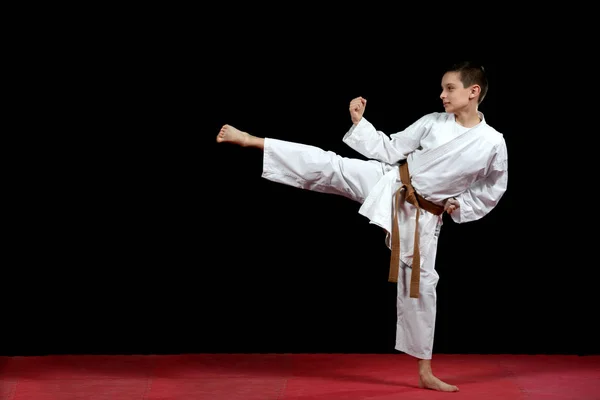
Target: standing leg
416	318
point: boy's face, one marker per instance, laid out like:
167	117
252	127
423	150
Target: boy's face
454	96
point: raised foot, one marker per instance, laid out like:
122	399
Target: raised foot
230	134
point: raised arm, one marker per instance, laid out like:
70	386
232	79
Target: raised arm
374	144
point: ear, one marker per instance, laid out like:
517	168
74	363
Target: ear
474	91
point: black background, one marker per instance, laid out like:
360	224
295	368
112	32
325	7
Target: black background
137	233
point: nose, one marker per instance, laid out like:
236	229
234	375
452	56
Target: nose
442	95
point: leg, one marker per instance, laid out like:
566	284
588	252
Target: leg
309	167
416	318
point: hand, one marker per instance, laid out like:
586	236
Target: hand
357	109
451	205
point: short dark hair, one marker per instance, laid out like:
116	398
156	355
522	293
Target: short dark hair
472	73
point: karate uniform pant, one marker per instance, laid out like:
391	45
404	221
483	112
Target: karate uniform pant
311	168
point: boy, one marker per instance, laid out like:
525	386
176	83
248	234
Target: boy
450	161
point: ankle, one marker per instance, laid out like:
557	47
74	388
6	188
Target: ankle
425	368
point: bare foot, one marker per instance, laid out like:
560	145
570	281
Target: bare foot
429	381
229	134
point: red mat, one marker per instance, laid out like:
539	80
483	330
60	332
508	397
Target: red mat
295	377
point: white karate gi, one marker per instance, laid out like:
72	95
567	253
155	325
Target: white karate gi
445	160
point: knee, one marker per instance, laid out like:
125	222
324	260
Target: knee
429	278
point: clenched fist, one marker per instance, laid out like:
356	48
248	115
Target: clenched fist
357	109
451	205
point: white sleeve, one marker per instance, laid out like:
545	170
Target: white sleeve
374	144
484	195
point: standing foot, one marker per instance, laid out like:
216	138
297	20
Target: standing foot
429	381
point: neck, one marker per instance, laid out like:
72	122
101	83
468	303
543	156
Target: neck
467	118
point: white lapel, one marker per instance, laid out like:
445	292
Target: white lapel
427	157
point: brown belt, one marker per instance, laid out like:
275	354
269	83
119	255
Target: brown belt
419	202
